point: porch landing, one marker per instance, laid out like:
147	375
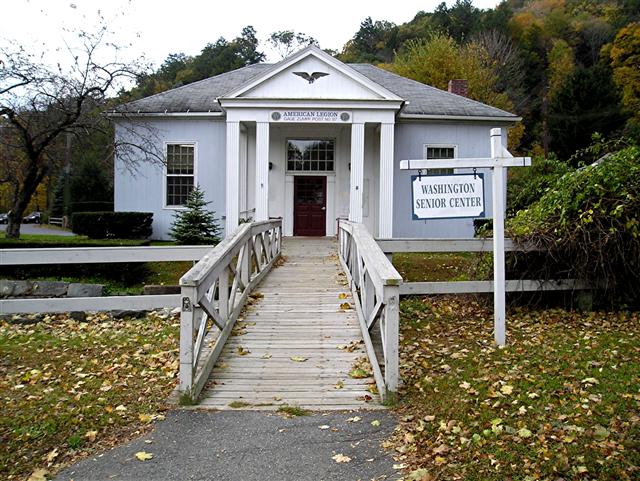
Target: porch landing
290	335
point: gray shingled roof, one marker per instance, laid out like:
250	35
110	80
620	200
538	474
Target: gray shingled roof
421	99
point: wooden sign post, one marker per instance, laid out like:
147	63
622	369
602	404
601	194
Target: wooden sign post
499	161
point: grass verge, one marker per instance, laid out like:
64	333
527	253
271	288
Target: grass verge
293	411
561	401
438	266
70	389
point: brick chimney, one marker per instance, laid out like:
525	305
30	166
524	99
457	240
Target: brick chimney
458	87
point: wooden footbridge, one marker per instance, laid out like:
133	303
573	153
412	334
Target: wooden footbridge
268	322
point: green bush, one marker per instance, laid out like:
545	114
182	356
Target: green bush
526	185
92	206
117	225
588	226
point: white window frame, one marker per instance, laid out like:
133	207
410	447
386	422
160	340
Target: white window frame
311	172
440	146
165	174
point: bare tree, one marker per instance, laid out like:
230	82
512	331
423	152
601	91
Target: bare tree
41	105
286	42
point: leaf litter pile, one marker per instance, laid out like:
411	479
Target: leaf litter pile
560	402
71	388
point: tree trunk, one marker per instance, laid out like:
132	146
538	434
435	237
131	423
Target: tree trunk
21	199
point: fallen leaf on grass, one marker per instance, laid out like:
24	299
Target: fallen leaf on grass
439	460
39	475
524	433
399	466
590	380
145	418
341	458
298	358
52	454
144	456
91	436
506	389
419	475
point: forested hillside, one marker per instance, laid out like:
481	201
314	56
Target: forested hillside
568	67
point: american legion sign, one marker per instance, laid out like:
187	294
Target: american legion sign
447	196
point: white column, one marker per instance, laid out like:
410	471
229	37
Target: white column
498	241
262	171
244	138
357	172
385	220
233	177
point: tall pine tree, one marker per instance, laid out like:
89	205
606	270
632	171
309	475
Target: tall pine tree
195	225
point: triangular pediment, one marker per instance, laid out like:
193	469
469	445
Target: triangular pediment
312	74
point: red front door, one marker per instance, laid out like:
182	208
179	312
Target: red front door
309	205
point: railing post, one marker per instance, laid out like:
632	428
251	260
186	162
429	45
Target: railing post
368	292
391	327
187	317
245	273
223	293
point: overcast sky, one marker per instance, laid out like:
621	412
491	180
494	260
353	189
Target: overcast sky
157	28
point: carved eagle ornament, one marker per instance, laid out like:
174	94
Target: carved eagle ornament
310	77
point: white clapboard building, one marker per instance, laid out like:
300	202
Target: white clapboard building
309	140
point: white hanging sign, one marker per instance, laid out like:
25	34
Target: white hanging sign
447	196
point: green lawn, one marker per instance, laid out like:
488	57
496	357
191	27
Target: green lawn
437	266
42	240
69	389
561	401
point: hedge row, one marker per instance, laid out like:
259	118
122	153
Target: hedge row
117	225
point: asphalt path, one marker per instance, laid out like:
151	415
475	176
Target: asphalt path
250	446
39	229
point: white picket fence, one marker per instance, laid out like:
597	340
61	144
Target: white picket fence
95	255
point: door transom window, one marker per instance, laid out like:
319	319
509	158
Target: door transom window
307	155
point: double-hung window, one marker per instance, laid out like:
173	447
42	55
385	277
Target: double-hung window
180	173
439	151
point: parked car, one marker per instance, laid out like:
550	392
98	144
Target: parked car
4	218
33	218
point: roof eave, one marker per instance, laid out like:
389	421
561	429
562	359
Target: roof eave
212	114
472	118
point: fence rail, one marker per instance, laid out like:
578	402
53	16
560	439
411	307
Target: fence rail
390	246
214	292
375	288
96	255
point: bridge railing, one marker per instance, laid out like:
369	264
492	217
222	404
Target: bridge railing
214	292
375	286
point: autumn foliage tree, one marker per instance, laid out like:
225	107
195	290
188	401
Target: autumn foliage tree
439	58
